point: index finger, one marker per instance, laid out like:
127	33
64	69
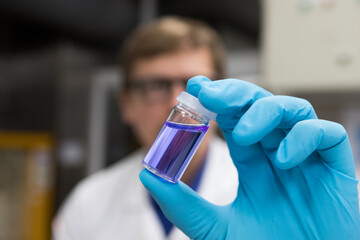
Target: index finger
227	96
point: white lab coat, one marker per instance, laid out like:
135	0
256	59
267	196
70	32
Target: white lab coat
113	204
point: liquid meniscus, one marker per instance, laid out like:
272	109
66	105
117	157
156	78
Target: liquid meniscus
173	149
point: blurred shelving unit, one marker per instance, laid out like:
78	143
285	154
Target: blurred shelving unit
26	185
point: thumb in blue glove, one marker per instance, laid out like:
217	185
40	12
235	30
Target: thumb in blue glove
296	172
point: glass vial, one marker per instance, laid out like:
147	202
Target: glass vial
179	138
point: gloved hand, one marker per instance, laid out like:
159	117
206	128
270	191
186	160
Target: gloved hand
296	172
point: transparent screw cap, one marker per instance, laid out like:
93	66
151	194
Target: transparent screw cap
193	103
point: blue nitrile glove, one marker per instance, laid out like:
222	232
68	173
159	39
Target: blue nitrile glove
296	172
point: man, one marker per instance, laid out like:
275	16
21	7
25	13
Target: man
157	60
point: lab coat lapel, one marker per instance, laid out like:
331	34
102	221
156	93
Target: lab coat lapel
137	204
219	181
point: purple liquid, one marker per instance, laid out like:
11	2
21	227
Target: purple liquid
173	149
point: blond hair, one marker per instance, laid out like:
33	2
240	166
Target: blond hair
170	34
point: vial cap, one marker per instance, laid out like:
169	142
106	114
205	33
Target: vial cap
194	104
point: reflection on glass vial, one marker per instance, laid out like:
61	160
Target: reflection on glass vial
178	139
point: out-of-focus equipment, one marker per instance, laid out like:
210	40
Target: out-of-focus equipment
311	45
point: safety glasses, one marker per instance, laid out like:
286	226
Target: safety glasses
156	89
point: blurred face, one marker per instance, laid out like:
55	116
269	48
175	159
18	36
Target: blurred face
155	84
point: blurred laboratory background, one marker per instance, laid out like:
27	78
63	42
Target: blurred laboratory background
59	119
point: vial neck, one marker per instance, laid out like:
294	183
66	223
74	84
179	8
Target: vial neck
193	113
